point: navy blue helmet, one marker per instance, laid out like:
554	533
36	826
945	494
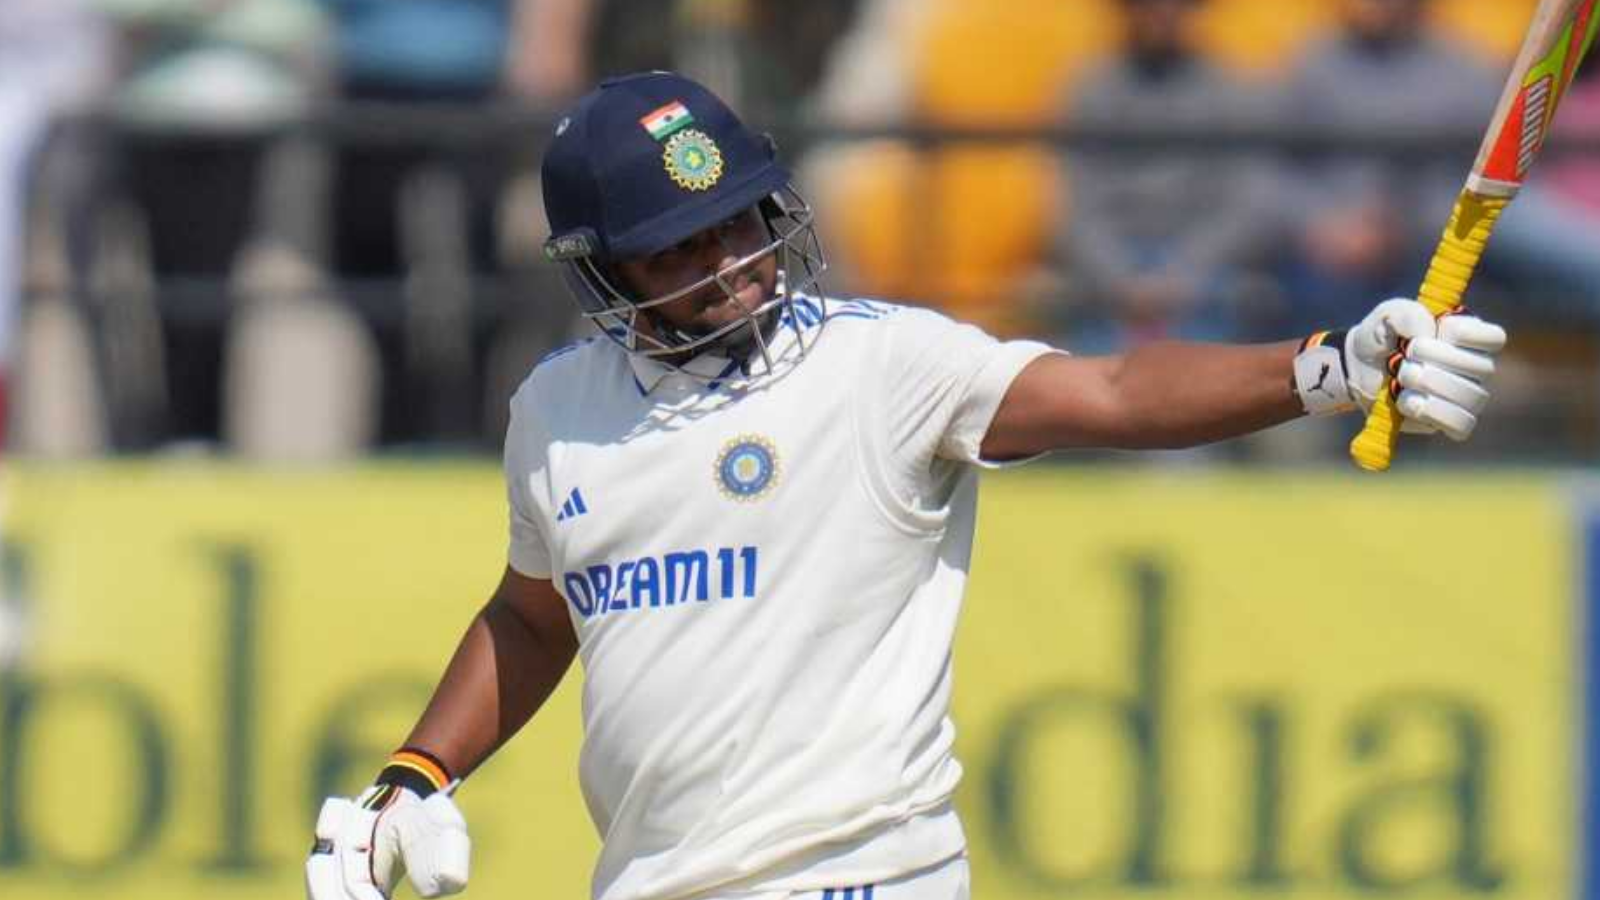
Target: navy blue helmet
646	161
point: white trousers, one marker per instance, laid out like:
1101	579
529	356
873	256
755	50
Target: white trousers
948	880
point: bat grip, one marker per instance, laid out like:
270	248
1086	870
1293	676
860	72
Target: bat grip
1454	262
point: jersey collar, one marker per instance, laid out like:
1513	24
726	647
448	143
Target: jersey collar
715	370
649	373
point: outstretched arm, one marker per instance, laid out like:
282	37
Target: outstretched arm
510	660
1163	395
1171	395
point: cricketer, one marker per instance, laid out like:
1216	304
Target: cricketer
748	509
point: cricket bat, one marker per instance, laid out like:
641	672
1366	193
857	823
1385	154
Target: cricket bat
1561	34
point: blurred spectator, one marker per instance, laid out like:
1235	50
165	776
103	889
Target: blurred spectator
867	77
54	62
446	49
771	61
422	53
420	209
1574	180
398	208
216	65
54	59
1366	223
961	225
765	56
207	86
549	58
1161	241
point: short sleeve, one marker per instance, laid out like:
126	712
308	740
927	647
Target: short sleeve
944	382
525	463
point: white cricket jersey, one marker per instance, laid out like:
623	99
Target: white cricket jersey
764	575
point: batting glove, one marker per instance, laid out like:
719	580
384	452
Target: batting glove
364	845
1439	367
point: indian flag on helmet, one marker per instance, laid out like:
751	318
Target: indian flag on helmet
664	121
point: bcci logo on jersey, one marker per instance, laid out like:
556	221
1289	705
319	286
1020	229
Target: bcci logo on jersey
747	467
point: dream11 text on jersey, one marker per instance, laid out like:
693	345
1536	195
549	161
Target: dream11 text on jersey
651	582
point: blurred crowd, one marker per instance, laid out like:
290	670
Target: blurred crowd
309	229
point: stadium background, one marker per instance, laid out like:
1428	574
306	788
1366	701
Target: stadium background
267	280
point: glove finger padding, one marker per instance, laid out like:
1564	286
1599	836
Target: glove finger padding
1472	333
427	840
1475	364
1449	418
1371	343
1444	385
1390	322
339	867
1441	377
1444	376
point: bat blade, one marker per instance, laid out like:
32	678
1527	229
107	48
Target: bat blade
1561	33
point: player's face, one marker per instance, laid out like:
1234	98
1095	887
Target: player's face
1159	27
716	251
1383	20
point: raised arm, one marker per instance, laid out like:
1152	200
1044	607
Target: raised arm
1163	395
1171	395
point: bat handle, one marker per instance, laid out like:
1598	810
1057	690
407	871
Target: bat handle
1442	289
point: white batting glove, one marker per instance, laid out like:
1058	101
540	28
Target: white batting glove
1442	375
1442	366
360	853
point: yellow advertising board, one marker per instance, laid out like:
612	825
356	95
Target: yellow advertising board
1168	686
1256	687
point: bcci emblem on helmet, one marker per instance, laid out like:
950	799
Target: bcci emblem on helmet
693	160
647	161
747	467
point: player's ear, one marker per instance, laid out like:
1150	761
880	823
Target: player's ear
618	279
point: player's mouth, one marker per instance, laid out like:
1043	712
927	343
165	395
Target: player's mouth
747	292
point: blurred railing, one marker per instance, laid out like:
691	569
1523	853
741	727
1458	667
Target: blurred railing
443	370
447	125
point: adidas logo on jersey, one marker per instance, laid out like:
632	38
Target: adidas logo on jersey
573	508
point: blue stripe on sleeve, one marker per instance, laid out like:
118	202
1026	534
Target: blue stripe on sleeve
562	351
